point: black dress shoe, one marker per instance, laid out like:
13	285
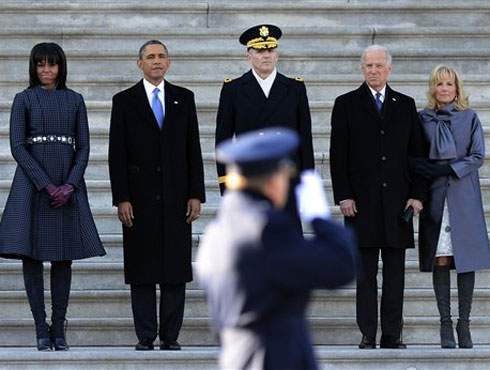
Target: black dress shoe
367	343
170	346
60	344
144	345
44	344
392	342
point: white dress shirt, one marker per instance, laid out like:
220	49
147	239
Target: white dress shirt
383	93
149	87
266	84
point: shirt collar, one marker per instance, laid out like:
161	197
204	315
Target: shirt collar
268	79
149	87
374	92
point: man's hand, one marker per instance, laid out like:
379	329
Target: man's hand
193	210
416	204
125	213
348	207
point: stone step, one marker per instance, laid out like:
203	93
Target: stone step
293	62
197	331
195	38
337	303
206	358
191	14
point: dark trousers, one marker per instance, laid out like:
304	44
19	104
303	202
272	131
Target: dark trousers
392	291
60	291
143	301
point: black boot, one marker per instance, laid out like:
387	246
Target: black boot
466	285
34	284
60	292
442	290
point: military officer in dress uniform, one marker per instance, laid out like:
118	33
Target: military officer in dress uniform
255	266
262	98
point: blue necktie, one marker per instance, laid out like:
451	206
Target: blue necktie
157	107
379	103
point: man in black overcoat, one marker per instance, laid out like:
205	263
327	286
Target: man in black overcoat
262	98
157	181
256	267
374	131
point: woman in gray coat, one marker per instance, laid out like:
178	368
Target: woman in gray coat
47	215
452	232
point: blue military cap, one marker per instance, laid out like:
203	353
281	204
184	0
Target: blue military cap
258	153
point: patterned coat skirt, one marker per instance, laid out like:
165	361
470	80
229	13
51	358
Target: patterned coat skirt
31	226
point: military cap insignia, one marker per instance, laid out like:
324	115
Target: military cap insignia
226	80
264	31
299	79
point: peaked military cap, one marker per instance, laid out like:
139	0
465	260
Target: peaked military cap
263	36
258	152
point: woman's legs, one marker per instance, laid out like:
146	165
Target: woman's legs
442	289
34	284
60	293
466	285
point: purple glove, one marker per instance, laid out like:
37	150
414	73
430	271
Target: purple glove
62	196
51	189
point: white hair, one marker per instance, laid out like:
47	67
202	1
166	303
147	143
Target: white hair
376	48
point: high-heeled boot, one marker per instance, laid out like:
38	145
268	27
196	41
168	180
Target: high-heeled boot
442	290
34	284
466	285
60	292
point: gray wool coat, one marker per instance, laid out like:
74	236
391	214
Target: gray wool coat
455	137
31	226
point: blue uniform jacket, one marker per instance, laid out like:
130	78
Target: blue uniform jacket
258	272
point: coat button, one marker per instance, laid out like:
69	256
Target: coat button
159	169
384	184
383	158
382	132
157	197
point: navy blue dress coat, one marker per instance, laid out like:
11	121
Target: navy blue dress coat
31	226
258	271
158	172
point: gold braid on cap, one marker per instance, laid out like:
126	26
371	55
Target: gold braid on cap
260	43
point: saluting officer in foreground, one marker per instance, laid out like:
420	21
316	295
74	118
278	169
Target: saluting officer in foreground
262	98
256	267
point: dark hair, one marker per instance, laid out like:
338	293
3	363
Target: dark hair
54	54
151	42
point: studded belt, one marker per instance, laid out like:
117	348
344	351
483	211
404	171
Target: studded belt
45	139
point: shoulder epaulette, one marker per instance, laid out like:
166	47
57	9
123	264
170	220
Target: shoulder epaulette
299	79
226	80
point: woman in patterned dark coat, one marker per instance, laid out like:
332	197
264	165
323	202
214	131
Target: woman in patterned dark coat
47	215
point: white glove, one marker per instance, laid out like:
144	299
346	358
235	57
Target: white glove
310	196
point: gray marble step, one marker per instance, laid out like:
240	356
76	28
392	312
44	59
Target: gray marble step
338	303
233	14
206	358
197	331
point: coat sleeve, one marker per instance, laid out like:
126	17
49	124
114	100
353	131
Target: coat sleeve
118	168
82	146
476	152
225	126
306	155
339	153
194	157
419	187
326	261
18	144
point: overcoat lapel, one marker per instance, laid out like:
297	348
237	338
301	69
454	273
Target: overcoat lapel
143	106
252	91
171	104
389	105
278	92
368	101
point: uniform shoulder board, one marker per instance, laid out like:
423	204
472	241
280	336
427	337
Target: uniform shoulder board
226	80
299	79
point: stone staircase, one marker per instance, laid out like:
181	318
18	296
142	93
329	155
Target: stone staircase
322	43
